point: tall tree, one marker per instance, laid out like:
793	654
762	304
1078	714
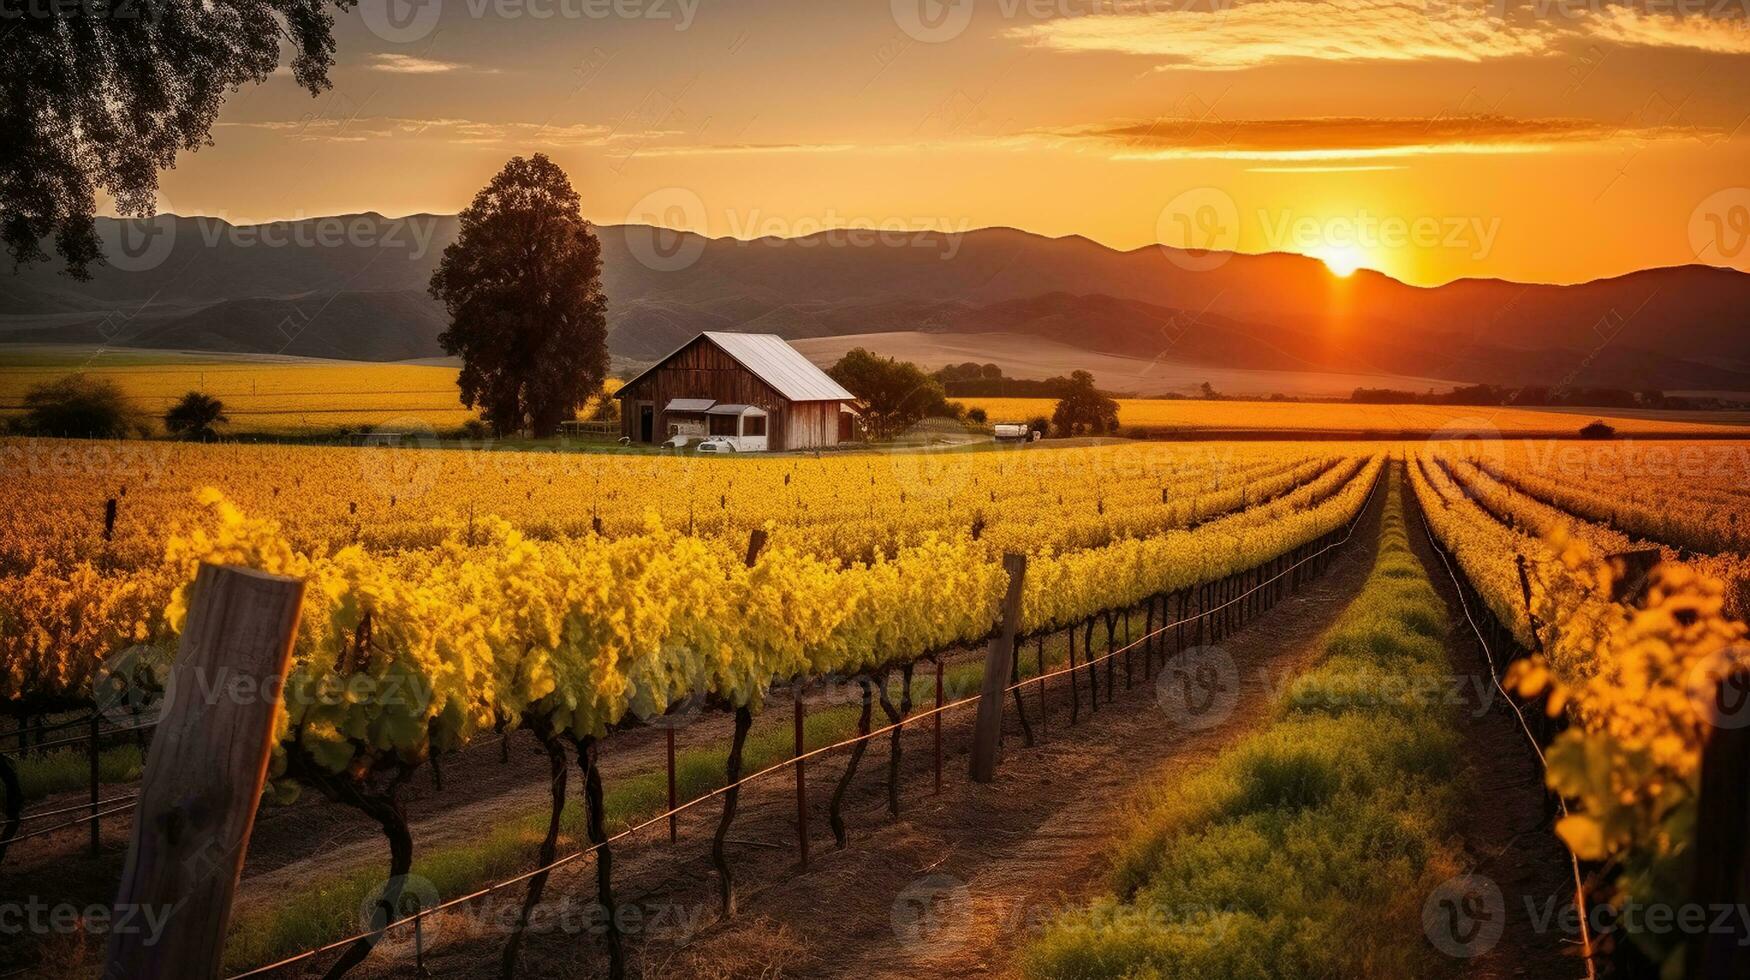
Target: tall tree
100	95
523	286
896	395
1084	408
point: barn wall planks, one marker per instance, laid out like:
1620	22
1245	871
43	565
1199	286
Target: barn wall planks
702	370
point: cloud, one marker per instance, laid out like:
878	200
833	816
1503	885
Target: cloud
1262	32
1715	35
345	128
1354	138
406	64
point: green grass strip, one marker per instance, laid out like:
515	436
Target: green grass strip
1305	849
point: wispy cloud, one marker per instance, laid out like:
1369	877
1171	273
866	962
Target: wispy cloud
1261	32
1349	138
406	64
449	130
1716	35
1253	33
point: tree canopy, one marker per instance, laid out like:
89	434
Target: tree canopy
195	416
79	405
99	96
1084	408
522	285
896	395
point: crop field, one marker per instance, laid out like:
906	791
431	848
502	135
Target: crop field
1377	421
287	395
580	600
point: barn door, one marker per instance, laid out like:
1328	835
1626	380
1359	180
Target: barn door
646	423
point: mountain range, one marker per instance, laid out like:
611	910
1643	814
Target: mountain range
354	287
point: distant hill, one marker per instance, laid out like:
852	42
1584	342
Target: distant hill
308	288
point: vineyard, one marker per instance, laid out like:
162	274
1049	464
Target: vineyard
605	600
451	598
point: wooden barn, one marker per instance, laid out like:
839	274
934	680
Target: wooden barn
751	388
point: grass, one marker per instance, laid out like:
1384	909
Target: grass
62	770
1306	848
326	907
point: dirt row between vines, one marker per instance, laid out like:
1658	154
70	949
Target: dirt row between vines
961	878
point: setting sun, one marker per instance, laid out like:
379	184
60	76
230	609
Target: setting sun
1342	260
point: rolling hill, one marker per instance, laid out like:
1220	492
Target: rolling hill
353	286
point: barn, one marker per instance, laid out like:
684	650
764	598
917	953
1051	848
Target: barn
753	388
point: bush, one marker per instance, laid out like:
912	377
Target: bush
1598	429
1039	424
195	416
977	416
83	406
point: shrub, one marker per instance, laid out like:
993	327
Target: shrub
1598	429
80	405
195	416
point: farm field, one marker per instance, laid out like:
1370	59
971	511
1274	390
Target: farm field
420	548
280	395
1375	421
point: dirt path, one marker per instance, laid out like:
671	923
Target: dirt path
959	880
1507	833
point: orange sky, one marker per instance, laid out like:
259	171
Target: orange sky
1549	140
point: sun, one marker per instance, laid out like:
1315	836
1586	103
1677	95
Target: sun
1342	260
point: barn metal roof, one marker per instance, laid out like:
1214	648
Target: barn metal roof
780	365
735	410
689	405
772	360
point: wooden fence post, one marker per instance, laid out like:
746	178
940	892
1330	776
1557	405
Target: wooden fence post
1722	840
987	735
203	780
801	780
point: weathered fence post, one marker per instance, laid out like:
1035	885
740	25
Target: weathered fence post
987	733
95	763
1722	838
202	784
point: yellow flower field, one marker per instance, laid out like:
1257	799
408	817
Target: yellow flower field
1386	420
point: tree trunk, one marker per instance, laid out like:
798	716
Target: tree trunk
732	774
834	815
385	808
559	766
604	859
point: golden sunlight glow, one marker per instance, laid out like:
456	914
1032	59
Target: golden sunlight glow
1342	260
